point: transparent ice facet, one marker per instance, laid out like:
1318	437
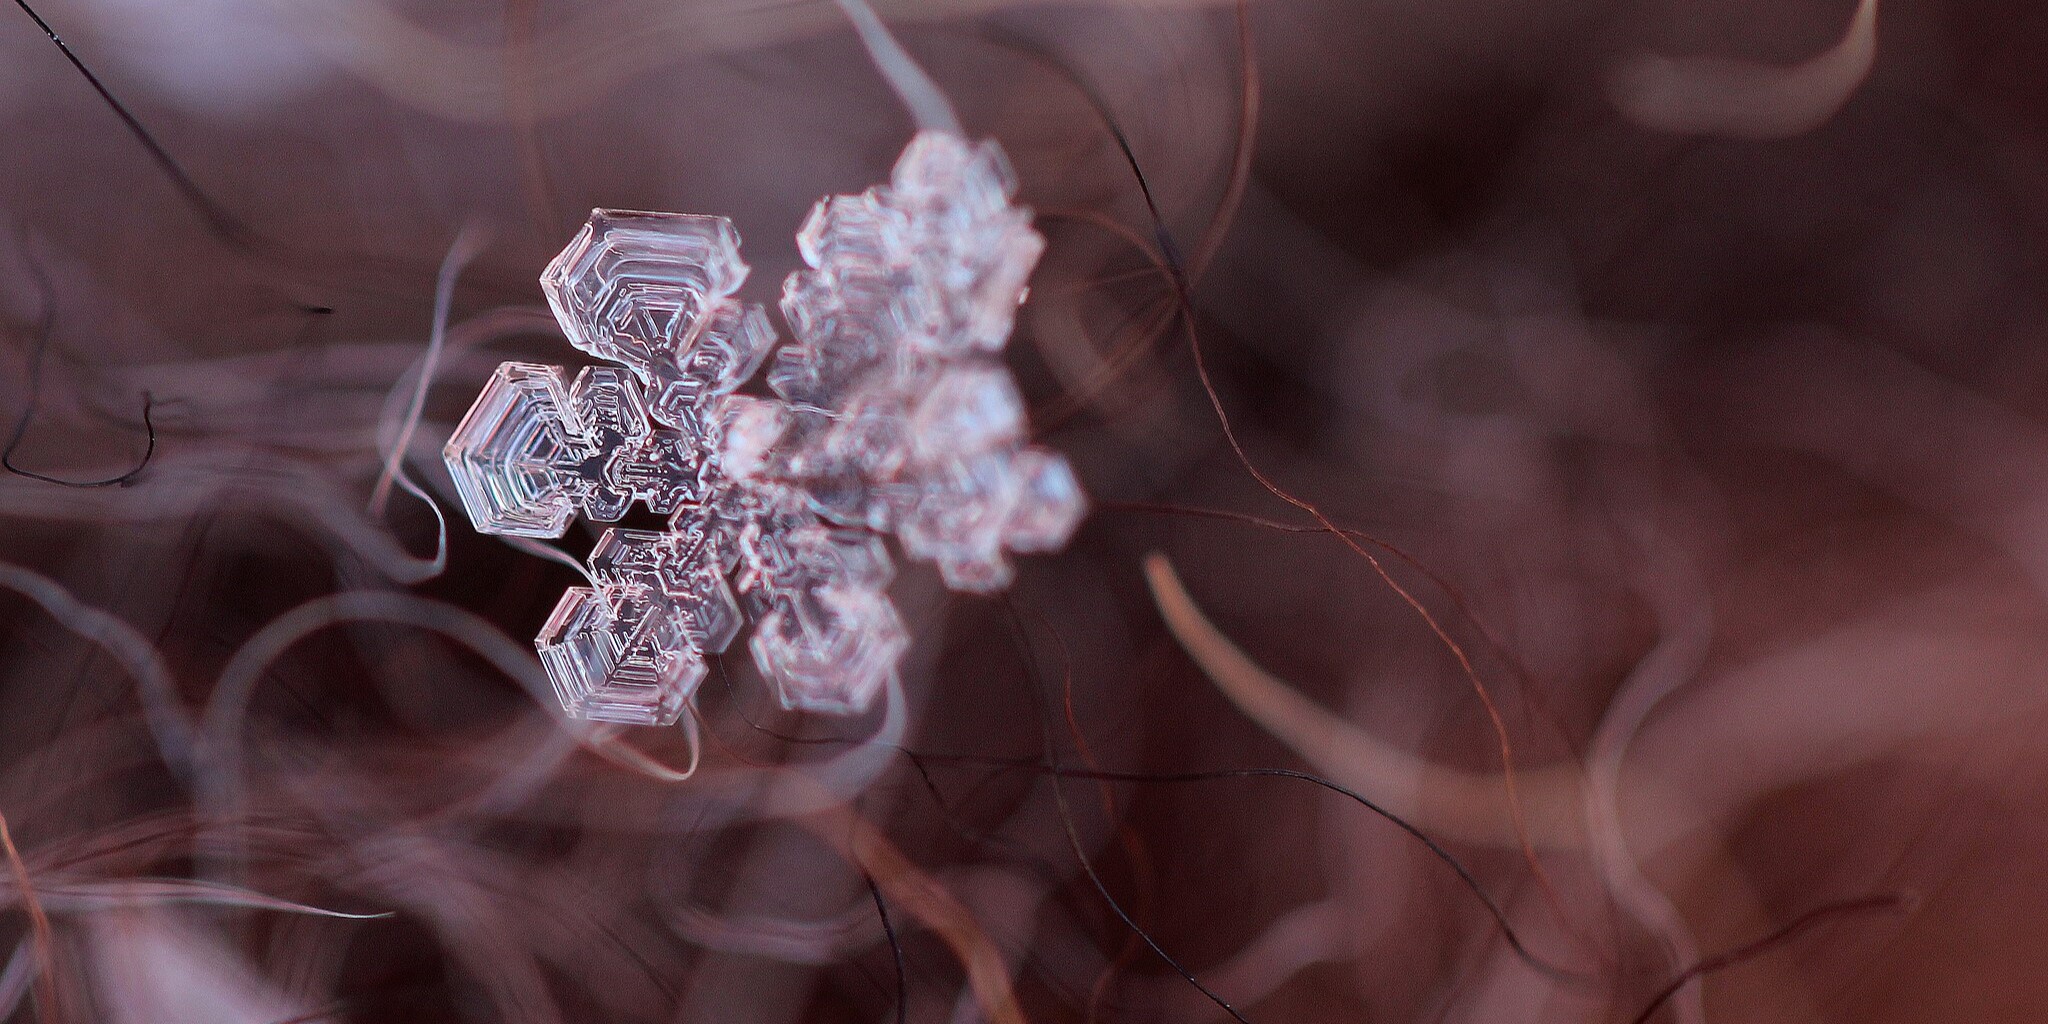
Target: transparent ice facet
901	418
851	231
632	287
618	656
510	454
958	522
616	420
735	340
709	531
829	654
750	428
967	517
532	452
944	170
844	323
977	249
1049	502
825	632
627	458
970	409
908	291
691	580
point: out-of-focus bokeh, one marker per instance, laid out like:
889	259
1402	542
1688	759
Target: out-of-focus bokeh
1660	389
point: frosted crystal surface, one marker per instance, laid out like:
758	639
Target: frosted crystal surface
892	414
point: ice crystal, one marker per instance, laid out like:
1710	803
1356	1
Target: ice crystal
535	449
893	414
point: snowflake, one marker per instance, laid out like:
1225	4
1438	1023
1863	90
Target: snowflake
892	414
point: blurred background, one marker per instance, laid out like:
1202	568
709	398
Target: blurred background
1679	362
